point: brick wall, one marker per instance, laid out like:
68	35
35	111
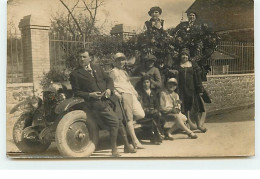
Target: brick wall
230	91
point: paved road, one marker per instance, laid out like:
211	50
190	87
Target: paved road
229	134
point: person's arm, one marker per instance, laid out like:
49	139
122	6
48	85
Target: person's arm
157	82
109	81
197	78
163	108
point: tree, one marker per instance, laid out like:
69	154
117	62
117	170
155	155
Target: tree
78	22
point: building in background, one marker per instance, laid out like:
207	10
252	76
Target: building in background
122	32
232	19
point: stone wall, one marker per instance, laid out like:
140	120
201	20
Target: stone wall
225	91
230	91
17	92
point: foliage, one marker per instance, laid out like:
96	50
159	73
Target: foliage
54	75
61	25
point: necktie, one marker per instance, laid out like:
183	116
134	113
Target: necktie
89	70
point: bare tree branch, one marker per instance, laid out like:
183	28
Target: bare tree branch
70	28
87	8
75	20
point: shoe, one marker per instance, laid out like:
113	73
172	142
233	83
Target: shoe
129	149
138	146
115	153
168	137
155	142
203	129
192	135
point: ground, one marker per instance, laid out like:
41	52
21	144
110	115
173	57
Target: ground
229	134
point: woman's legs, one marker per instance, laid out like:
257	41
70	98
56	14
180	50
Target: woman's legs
179	124
128	108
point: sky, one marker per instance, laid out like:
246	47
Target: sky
129	12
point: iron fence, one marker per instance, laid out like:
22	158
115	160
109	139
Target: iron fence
14	58
232	58
229	57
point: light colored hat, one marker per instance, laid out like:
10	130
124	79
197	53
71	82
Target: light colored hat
172	80
119	55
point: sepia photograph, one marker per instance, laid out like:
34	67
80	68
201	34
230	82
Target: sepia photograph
130	79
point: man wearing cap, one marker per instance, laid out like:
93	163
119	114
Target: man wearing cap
148	69
125	91
91	83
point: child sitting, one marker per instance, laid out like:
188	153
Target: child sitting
171	110
150	104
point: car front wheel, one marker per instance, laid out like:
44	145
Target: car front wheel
76	135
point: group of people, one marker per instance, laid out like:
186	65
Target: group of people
162	101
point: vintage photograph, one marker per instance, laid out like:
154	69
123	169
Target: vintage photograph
130	79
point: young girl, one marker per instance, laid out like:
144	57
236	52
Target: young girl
171	109
150	103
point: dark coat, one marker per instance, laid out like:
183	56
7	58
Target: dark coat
83	83
150	103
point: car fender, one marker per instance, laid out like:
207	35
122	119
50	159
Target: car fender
68	103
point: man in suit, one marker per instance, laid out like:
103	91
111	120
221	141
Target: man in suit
91	83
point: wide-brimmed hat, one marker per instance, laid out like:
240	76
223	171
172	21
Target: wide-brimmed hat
172	80
185	51
119	55
150	58
155	8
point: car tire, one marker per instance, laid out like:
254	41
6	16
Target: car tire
76	134
22	126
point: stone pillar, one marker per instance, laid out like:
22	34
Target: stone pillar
35	41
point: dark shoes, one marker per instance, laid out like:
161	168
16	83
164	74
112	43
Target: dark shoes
192	135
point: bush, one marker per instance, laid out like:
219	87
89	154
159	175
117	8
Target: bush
54	75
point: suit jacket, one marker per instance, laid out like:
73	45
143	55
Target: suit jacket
83	83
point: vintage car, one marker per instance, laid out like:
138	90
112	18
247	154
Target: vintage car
59	117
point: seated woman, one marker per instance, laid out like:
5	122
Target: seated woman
150	103
128	95
171	110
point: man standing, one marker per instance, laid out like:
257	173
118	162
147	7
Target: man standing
91	83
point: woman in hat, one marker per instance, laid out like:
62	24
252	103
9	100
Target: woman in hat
156	39
188	35
171	110
190	87
155	24
128	95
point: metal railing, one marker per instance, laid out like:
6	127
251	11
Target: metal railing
14	58
232	58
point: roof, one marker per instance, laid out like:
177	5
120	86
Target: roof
220	56
224	14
